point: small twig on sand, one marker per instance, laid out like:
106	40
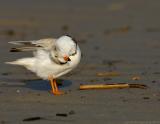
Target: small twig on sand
111	86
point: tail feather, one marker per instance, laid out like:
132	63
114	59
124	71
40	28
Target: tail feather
21	49
26	62
23	62
12	63
28	43
18	62
15	50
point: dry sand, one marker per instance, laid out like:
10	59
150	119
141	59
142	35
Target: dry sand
121	36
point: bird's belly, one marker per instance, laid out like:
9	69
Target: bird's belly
46	69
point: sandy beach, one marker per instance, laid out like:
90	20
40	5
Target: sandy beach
114	36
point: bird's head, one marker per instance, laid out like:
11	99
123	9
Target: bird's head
65	47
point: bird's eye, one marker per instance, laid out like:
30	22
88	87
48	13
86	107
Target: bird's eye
56	56
73	53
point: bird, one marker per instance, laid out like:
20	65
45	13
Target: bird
52	58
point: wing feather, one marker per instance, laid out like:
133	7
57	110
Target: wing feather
46	44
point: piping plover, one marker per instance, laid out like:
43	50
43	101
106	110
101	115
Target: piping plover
51	59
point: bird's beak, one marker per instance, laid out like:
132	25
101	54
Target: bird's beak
66	58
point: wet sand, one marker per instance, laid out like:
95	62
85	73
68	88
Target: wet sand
120	36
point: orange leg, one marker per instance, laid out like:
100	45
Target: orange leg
54	87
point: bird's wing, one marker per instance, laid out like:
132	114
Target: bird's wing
46	44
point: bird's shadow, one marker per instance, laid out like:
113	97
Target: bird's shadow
35	84
44	85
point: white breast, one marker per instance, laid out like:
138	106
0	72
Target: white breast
44	67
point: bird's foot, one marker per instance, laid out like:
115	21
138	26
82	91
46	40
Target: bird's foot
57	92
